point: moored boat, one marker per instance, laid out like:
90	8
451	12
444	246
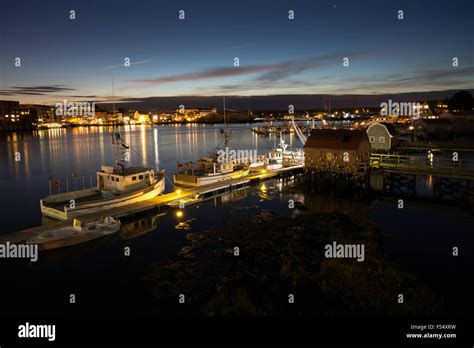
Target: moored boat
116	186
76	234
209	171
214	168
278	158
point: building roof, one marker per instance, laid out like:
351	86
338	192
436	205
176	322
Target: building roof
390	127
338	139
131	171
436	121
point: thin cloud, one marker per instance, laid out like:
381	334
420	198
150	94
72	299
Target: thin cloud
447	78
131	63
35	90
267	72
207	74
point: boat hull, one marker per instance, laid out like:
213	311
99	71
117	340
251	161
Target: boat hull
194	181
68	213
272	167
67	237
69	242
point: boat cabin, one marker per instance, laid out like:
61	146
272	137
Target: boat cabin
111	181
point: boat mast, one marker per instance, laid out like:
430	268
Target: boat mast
113	97
114	134
226	132
121	148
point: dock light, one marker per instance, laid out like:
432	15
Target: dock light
430	157
263	188
178	192
179	214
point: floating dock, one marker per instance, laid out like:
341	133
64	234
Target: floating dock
184	197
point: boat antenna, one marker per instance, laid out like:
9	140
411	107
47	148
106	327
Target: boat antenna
113	96
223	103
226	124
121	148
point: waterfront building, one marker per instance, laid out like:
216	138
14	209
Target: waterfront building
28	117
460	122
44	113
382	136
139	117
165	116
13	117
192	114
337	150
432	126
9	110
432	109
458	116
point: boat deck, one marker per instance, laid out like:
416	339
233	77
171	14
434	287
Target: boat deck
85	199
97	196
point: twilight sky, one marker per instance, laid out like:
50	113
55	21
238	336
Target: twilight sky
76	59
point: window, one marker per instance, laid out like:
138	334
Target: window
134	178
140	177
382	140
372	139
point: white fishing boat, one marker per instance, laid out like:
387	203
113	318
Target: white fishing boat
275	159
211	169
76	234
258	163
281	157
116	186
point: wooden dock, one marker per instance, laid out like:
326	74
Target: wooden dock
417	146
187	196
443	167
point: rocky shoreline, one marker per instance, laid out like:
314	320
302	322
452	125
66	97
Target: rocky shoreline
282	256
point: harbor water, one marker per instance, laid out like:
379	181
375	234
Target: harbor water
418	239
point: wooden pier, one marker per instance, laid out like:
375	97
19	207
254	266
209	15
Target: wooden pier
180	197
444	167
417	146
452	180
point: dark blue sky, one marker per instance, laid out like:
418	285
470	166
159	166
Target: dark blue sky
75	59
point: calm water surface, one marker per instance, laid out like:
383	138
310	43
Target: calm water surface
60	153
418	238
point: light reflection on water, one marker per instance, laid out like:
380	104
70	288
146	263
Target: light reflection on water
59	153
417	230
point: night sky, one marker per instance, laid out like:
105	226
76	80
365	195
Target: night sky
76	59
